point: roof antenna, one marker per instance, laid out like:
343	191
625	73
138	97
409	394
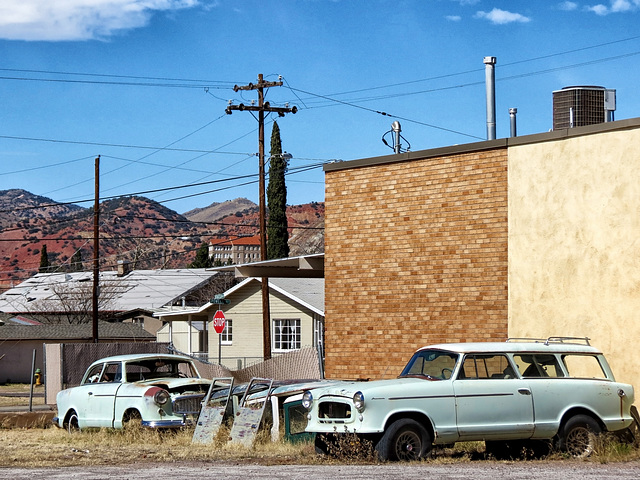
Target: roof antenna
396	137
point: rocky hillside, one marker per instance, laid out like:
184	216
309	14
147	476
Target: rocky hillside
216	211
135	229
19	204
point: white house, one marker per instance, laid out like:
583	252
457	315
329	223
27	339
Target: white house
297	320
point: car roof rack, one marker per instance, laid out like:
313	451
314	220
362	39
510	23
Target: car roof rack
547	341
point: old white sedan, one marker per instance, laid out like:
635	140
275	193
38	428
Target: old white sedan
501	393
162	391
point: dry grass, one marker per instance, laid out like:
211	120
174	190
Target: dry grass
23	390
40	446
53	447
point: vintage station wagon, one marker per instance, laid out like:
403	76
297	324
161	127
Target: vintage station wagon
559	388
161	391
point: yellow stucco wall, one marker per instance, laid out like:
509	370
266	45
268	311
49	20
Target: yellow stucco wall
574	243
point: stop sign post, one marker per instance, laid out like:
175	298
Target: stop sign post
218	321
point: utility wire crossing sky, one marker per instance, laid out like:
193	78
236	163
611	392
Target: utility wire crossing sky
144	84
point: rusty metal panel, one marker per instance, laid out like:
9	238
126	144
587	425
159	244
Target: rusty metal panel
213	409
251	409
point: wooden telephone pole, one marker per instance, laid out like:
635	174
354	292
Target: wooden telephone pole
96	250
261	108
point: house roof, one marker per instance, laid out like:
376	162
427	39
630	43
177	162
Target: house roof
306	266
253	240
307	292
139	289
106	331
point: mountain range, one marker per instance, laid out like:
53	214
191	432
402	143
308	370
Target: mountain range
135	229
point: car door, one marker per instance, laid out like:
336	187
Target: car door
100	396
492	403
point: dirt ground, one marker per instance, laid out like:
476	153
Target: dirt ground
477	470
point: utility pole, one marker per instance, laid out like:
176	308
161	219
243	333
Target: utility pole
96	246
261	108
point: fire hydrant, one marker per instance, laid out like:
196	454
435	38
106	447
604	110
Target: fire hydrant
38	377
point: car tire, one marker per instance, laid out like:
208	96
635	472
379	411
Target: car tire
71	424
404	440
578	435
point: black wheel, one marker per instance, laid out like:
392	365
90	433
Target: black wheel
577	436
71	423
446	373
404	440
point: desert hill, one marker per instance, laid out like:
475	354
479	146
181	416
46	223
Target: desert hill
135	229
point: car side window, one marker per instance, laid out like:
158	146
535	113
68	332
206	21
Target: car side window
538	366
112	373
485	366
93	375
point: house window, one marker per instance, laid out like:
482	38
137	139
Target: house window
226	337
138	321
286	334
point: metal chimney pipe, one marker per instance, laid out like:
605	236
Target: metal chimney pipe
512	118
571	117
490	80
395	126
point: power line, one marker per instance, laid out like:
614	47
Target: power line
116	145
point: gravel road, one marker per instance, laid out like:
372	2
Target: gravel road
569	470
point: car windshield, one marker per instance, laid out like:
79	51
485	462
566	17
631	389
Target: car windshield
153	368
432	364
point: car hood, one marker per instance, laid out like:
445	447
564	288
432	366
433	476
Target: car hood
171	384
377	387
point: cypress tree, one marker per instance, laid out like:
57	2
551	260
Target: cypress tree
76	262
202	259
277	232
44	260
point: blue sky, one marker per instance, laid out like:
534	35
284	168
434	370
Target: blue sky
144	84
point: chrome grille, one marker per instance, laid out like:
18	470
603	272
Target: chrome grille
187	404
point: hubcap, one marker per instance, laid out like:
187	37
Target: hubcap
408	446
580	442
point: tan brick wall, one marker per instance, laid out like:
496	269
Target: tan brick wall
415	254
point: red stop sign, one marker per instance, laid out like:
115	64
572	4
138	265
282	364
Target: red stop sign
218	321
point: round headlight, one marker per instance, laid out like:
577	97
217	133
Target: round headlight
161	397
307	400
358	401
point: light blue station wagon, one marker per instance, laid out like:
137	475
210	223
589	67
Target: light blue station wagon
559	389
160	391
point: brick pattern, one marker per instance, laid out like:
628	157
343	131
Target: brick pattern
415	254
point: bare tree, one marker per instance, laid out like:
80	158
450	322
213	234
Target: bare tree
72	303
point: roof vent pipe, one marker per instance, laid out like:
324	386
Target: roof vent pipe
512	119
490	80
395	126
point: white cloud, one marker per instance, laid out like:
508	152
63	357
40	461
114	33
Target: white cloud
598	9
453	18
615	6
501	17
56	20
568	6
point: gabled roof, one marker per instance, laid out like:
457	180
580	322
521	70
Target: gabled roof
84	331
143	289
307	292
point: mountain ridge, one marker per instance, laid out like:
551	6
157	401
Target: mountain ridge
135	229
